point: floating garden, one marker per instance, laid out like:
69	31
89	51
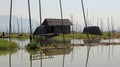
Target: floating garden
8	47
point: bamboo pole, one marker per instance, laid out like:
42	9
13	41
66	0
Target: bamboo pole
40	14
101	25
10	19
108	28
71	16
30	20
40	11
84	17
112	25
62	21
84	13
21	26
18	27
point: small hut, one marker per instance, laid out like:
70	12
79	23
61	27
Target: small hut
92	30
53	26
56	25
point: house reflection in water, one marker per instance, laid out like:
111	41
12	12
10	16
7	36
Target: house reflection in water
85	41
49	54
54	52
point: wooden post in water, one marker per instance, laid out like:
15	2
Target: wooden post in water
62	21
21	26
108	27
40	11
71	16
87	33
84	17
18	27
30	20
10	19
101	25
112	25
40	14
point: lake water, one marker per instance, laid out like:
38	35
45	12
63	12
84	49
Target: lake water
76	56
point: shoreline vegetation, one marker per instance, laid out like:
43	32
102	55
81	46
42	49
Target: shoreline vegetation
7	46
78	35
104	35
15	35
33	45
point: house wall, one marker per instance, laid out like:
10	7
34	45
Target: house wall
58	29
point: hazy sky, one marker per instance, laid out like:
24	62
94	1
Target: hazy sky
50	9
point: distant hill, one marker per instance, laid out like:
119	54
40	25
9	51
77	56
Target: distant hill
4	24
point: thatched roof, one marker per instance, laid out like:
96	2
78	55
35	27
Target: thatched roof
92	30
57	22
40	30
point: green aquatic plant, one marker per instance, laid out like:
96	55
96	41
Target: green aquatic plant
54	45
5	52
8	45
32	46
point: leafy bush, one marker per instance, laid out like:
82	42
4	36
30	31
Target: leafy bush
32	46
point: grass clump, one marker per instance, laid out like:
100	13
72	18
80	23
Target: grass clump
54	45
8	45
70	36
32	46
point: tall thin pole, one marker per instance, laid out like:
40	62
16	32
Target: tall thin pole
21	26
84	13
112	24
62	21
71	16
101	25
84	17
109	33
40	11
10	19
18	26
30	20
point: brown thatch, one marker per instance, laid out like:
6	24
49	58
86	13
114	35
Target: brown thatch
57	22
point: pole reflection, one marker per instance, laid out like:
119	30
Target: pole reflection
10	60
88	53
30	60
63	64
